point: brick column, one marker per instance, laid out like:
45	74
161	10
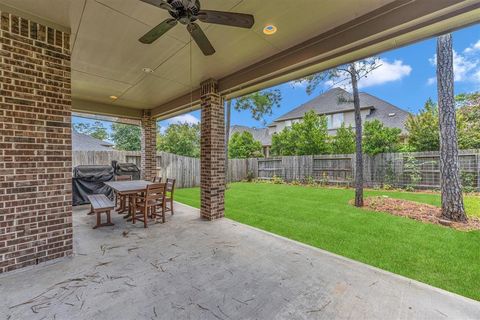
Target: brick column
149	146
212	158
35	143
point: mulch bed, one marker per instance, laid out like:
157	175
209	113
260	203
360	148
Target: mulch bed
418	211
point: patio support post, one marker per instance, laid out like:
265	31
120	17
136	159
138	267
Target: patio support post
149	146
35	143
212	157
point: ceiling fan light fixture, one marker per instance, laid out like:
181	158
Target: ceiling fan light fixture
187	12
269	29
113	98
147	70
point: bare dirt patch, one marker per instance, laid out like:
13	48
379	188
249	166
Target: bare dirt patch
417	211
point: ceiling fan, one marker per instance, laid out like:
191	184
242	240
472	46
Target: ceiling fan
187	12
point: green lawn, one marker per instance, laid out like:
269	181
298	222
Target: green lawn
322	217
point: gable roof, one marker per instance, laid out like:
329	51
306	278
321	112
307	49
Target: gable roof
259	134
339	100
83	142
391	116
333	101
325	103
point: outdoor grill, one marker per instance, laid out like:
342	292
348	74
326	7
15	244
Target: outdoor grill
124	169
88	180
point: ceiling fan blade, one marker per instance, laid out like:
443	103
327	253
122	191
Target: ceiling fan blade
201	39
160	4
233	19
158	31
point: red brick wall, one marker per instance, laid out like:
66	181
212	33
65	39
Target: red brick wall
35	143
212	155
149	145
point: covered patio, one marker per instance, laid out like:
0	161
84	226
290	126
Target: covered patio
83	56
193	269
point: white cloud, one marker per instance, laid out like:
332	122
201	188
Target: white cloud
465	66
462	66
184	118
298	84
344	84
387	72
476	76
473	47
431	81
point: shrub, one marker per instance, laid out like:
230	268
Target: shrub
250	176
387	186
412	169
277	180
309	181
307	137
468	183
243	145
390	176
324	179
409	188
378	138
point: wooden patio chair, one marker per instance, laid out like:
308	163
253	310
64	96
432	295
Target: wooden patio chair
121	198
157	179
146	205
170	188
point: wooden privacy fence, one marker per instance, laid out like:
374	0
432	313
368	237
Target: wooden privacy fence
185	170
418	170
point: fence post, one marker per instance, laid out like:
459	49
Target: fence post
310	170
354	168
478	170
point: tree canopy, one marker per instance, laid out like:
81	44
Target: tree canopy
468	120
260	103
181	139
344	140
306	137
378	138
423	128
423	131
95	130
243	145
126	137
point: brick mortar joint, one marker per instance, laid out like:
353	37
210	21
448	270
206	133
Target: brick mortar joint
37	28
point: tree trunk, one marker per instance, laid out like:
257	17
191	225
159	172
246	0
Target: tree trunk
451	187
227	138
358	140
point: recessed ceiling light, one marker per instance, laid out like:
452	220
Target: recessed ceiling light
113	97
147	70
269	29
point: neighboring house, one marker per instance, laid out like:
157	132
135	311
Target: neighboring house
337	105
83	142
259	134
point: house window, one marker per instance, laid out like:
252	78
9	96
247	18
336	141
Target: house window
335	121
288	123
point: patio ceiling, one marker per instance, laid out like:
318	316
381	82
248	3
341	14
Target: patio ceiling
107	58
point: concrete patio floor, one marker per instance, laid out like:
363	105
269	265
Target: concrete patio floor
194	269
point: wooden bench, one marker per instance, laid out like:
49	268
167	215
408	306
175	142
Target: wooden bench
101	204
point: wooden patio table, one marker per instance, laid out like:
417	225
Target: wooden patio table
129	188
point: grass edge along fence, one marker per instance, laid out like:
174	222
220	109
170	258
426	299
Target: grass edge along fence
417	170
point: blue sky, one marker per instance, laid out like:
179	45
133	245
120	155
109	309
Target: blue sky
405	79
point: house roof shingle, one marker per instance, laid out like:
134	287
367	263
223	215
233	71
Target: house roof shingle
83	142
339	100
259	134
